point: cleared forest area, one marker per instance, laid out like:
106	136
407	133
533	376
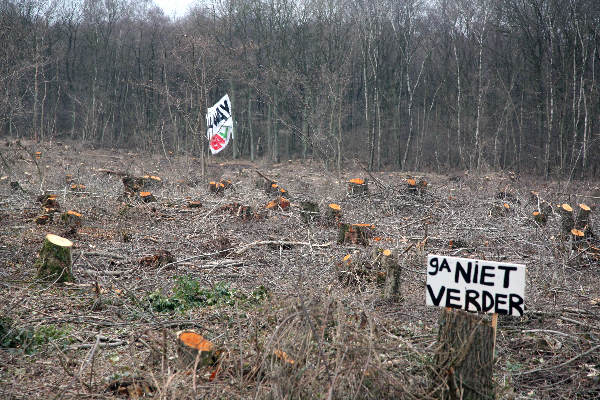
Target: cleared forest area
251	258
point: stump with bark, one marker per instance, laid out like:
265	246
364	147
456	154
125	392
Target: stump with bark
333	215
193	350
275	188
566	220
355	233
72	219
389	262
540	217
147	197
216	187
278	203
227	183
355	269
54	261
464	358
357	187
582	221
134	185
49	203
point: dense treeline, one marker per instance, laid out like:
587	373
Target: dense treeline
397	83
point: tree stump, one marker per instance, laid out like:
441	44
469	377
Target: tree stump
275	188
71	218
566	220
357	187
540	218
391	289
355	269
333	214
415	187
582	222
147	197
310	211
355	233
280	202
54	261
134	184
464	358
227	183
49	203
194	350
216	187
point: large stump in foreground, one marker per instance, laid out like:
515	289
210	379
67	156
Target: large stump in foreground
465	356
54	261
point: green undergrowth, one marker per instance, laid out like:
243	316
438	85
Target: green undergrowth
30	340
188	294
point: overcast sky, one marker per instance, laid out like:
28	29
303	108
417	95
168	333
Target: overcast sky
174	7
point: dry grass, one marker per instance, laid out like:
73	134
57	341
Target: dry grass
107	336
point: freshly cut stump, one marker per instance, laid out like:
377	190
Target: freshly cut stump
278	203
333	215
566	220
147	197
216	187
71	218
275	188
582	222
357	187
191	346
465	356
54	261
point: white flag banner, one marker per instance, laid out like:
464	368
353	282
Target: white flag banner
219	124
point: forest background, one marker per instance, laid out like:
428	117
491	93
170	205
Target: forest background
410	84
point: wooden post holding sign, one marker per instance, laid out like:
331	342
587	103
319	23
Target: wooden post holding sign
465	353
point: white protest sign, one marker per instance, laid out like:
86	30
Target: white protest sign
219	123
475	285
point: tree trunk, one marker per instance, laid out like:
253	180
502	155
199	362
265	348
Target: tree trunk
392	275
465	358
54	261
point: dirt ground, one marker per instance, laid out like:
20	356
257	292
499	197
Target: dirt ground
268	289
